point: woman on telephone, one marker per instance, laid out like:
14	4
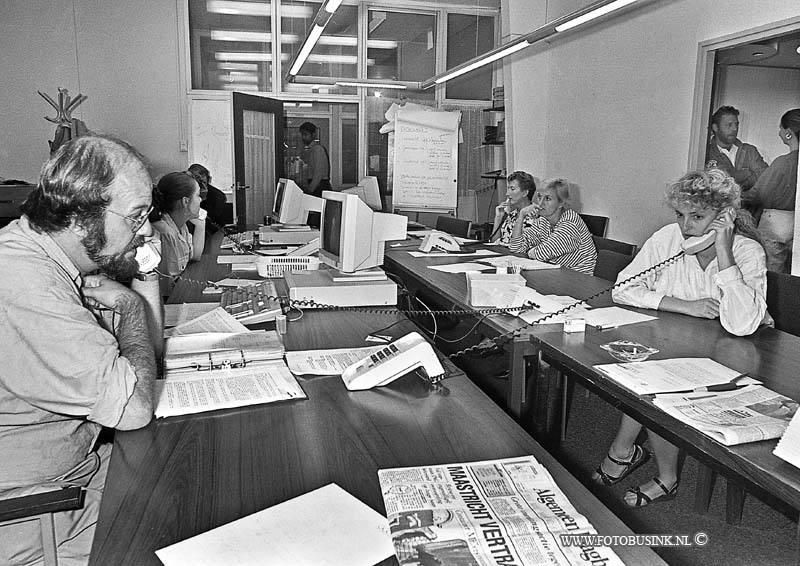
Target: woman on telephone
557	234
519	193
177	198
725	277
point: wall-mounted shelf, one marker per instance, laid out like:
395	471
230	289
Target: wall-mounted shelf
498	109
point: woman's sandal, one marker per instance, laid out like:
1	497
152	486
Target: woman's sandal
640	456
642	499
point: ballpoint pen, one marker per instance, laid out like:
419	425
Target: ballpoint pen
728	386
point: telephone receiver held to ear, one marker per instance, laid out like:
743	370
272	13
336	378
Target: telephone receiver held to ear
696	244
148	257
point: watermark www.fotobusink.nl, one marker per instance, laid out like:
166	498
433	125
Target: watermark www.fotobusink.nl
584	540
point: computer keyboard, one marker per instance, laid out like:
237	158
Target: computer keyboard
249	305
235	240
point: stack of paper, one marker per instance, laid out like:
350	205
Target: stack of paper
788	447
669	376
325	527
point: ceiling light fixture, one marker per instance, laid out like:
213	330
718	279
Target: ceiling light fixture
570	21
322	18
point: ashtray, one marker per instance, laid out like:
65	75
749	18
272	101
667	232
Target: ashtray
626	351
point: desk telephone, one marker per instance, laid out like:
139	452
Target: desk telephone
395	360
439	241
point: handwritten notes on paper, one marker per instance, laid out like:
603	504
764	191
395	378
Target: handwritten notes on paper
326	362
426	159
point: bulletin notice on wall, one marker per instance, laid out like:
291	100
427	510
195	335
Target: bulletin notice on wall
426	160
508	512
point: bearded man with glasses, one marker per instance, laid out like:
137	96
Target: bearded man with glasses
80	329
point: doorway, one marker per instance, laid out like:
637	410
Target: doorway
258	151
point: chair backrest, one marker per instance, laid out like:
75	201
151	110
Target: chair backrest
615	246
610	263
782	302
11	198
454	226
597	225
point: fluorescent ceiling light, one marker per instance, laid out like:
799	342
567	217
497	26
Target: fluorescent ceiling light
251	36
311	40
332	5
234	77
239	8
229	86
483	61
242	56
237	66
255	9
341	59
592	14
371	85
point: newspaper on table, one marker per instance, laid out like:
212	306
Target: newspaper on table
749	414
493	512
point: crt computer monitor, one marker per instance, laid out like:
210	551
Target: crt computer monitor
368	191
352	235
292	205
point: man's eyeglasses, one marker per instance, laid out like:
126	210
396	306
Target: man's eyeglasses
136	221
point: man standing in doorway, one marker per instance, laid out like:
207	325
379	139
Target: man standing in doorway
316	157
741	161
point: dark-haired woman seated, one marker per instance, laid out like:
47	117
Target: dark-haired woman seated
177	198
519	193
726	280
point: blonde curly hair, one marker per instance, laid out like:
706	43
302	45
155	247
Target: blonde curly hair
715	189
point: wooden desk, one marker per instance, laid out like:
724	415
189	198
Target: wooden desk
181	476
769	355
452	288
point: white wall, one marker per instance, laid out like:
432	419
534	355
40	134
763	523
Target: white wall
122	55
615	100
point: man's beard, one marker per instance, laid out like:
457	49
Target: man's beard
116	266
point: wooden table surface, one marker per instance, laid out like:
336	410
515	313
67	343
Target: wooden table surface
182	476
769	355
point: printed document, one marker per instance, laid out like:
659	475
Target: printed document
454	254
668	376
175	315
326	362
788	447
324	527
216	319
487	513
732	417
199	391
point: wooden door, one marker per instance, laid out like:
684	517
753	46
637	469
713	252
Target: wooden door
257	155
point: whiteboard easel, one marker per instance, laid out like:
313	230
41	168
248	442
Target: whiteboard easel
424	159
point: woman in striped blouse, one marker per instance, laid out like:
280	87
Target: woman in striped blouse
558	234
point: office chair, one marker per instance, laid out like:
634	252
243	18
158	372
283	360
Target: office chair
782	304
614	245
11	198
454	226
597	225
610	263
41	507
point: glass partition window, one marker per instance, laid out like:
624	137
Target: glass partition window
335	53
230	45
469	36
401	46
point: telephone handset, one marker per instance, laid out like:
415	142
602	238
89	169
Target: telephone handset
395	360
439	240
306	249
148	257
696	244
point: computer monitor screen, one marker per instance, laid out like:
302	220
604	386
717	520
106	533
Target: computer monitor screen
368	191
332	228
353	236
292	205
